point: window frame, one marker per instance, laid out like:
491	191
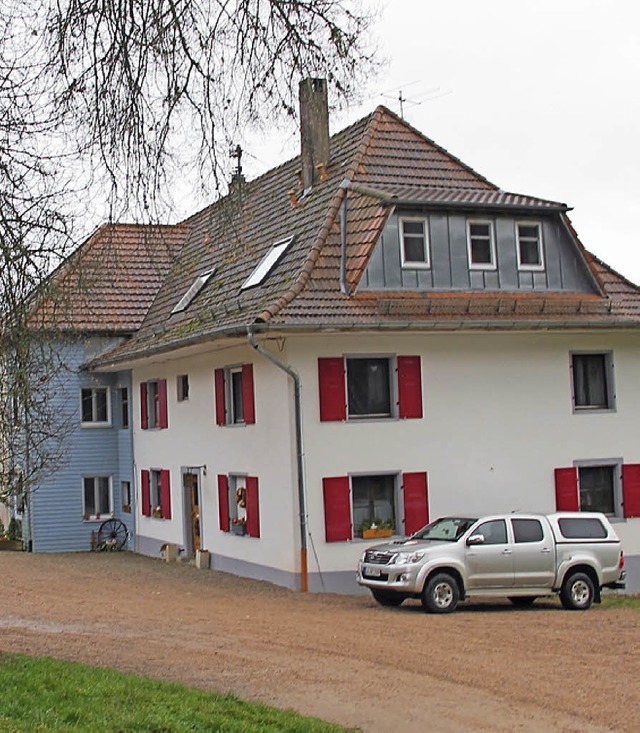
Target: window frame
398	509
609	382
415	264
616	465
492	241
155	493
97	516
524	267
94	389
124	401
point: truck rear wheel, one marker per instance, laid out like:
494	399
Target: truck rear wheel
387	599
440	594
577	592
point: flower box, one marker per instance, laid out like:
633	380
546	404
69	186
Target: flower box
239	528
375	533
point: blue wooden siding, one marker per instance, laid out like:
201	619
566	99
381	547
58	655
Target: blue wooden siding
56	506
564	268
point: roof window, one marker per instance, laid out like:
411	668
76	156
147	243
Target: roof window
195	288
267	263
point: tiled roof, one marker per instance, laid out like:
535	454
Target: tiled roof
376	159
108	284
452	197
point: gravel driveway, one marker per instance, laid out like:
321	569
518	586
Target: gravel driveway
488	667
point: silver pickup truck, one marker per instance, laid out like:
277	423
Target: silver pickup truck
517	556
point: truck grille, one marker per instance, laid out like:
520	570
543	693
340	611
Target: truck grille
378	558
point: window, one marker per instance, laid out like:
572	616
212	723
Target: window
234	395
529	235
96	497
124	407
267	263
494	532
156	493
356	387
183	387
527	530
195	288
153	404
368	387
597	489
592	376
481	245
238	505
125	489
374	502
95	406
575	529
414	241
392	501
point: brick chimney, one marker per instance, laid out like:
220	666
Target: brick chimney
314	129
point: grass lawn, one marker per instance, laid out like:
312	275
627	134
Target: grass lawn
620	601
43	694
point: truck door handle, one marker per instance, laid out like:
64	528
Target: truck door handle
507	551
546	550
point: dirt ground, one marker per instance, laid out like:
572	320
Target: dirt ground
488	667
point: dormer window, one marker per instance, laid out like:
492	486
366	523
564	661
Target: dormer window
481	245
414	241
195	288
267	263
529	246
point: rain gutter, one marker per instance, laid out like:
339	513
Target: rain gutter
297	384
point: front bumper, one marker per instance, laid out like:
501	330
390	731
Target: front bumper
401	578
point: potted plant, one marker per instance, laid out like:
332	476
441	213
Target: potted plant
376	528
239	525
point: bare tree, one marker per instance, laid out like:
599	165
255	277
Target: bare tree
105	101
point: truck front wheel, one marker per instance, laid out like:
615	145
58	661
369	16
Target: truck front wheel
577	592
441	594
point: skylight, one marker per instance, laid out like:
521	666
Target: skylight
195	288
267	263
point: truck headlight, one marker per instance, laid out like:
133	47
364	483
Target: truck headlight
408	558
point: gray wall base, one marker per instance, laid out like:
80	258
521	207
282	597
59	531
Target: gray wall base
343	583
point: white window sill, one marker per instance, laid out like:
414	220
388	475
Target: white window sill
95	425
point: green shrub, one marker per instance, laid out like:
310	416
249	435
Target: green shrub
14	532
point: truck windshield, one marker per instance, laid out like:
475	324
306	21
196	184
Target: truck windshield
447	529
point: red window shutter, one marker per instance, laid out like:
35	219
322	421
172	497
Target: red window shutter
219	389
144	413
567	490
223	502
163	417
416	501
409	387
631	489
165	493
253	507
248	404
337	508
146	494
333	403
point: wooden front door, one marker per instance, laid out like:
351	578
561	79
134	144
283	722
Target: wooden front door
190	481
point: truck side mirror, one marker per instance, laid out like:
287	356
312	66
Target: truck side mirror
475	539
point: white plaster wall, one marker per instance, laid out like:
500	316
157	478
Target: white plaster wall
193	439
497	421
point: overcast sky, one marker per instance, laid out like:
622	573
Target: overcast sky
541	97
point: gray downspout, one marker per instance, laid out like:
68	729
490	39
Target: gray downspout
344	285
299	451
